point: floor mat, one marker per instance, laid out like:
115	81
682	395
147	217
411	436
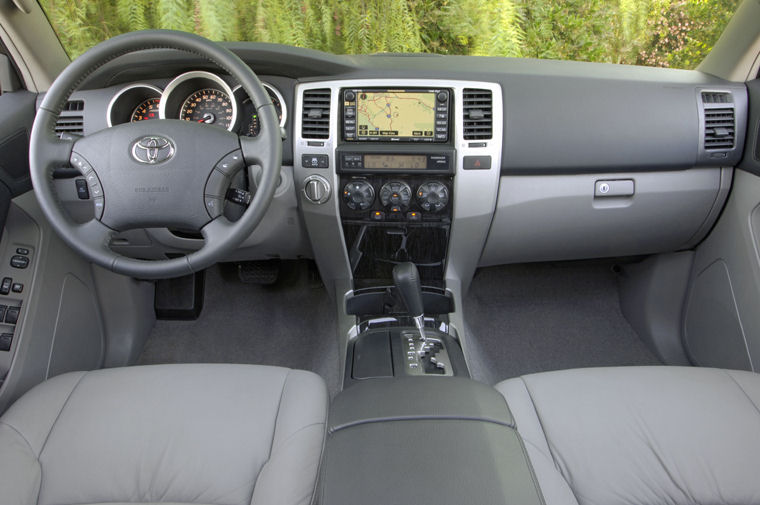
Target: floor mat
548	316
290	324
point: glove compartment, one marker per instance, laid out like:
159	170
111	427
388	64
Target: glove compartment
566	217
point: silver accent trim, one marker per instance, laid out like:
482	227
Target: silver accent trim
121	92
277	93
197	74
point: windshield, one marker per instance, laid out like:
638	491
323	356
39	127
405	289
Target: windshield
663	33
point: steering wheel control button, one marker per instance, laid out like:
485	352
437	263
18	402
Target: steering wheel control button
19	261
239	196
231	163
5	285
80	164
98	205
315	161
96	191
83	192
11	315
216	185
316	189
213	206
476	162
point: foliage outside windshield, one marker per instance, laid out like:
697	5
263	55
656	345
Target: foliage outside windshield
665	33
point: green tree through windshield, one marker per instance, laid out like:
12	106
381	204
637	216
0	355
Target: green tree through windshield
667	33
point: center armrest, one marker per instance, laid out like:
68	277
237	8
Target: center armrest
410	398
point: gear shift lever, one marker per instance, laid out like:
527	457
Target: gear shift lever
407	280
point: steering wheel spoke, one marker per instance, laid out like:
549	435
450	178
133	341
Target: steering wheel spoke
216	230
94	234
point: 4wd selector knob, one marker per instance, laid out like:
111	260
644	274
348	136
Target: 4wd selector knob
359	195
433	196
396	194
316	189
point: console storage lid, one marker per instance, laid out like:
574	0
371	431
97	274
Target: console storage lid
424	440
408	398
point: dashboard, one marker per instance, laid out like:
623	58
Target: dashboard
198	96
453	162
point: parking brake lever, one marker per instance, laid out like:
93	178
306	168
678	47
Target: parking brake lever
407	280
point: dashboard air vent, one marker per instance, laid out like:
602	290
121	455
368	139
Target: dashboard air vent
478	108
315	123
720	120
74	105
71	120
715	97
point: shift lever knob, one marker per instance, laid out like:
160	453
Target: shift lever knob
407	280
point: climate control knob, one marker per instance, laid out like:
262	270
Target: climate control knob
433	196
359	195
396	194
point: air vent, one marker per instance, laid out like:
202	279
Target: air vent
716	97
720	121
315	122
70	120
478	120
74	105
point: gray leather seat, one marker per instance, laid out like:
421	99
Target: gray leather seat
201	434
641	435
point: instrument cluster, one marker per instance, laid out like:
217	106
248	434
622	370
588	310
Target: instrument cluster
198	96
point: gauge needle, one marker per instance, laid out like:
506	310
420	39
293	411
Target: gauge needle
207	118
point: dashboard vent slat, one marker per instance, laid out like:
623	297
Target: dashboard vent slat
71	119
315	123
477	105
720	128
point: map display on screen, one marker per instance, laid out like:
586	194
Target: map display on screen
400	114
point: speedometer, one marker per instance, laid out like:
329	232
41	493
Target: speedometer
209	106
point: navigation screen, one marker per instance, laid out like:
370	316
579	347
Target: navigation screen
398	114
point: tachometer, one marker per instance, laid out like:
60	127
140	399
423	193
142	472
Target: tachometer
146	110
210	106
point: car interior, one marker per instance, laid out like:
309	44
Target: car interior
245	273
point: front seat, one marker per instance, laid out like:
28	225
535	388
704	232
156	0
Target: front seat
641	435
180	434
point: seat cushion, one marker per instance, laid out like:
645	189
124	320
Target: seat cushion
641	435
205	434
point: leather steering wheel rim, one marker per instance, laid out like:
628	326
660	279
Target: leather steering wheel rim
91	239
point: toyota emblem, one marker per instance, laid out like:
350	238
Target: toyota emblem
152	150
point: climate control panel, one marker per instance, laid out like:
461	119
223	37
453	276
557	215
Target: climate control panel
396	198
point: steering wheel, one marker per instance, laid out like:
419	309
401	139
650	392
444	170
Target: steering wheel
158	173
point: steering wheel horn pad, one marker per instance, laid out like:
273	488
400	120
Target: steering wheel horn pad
160	173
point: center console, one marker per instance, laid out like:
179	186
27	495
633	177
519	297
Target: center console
399	181
396	167
396	172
